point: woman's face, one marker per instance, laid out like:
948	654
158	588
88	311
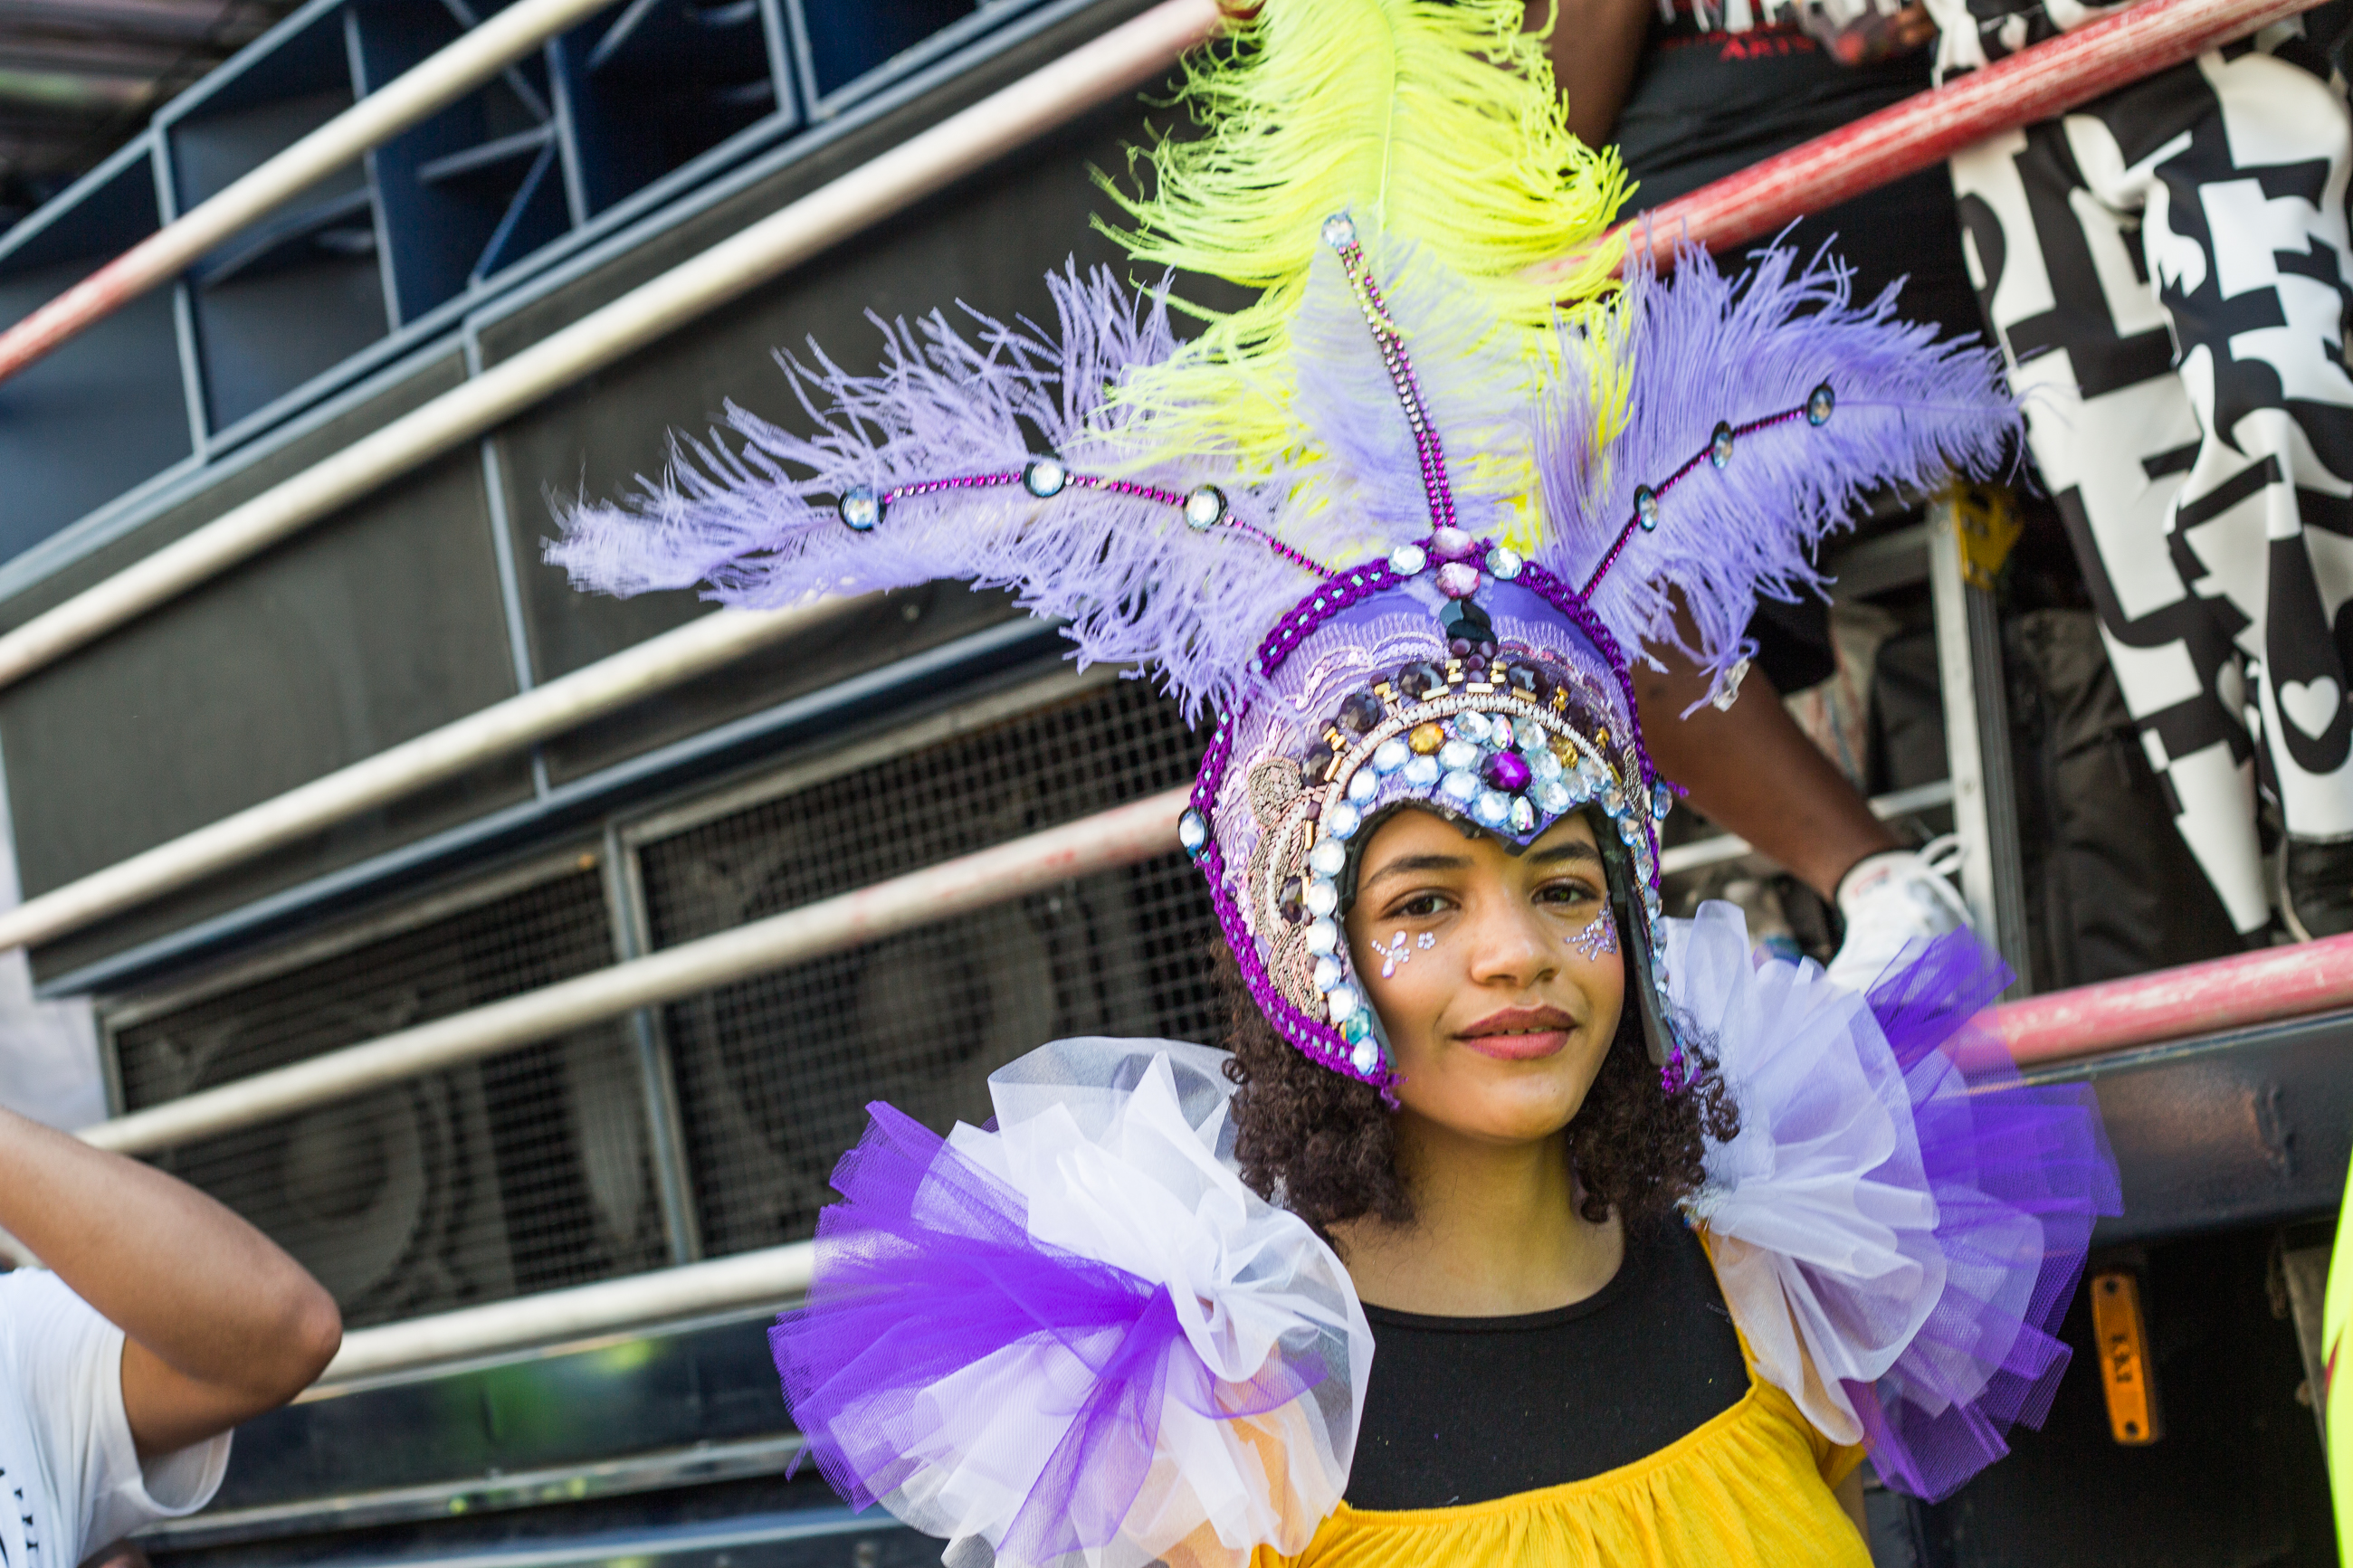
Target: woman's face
1497	975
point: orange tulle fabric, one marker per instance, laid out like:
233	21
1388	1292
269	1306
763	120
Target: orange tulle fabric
1749	1488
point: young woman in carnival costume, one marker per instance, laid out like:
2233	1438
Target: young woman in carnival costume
1655	1241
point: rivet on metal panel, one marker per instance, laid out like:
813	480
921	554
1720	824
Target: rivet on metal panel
2125	1370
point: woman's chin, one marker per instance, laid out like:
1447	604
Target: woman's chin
1497	1100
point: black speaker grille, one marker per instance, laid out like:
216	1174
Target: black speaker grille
527	1172
775	1074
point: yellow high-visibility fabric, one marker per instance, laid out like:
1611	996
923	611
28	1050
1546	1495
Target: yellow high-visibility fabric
2337	1392
1748	1488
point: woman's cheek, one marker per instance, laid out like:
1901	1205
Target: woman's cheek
1400	972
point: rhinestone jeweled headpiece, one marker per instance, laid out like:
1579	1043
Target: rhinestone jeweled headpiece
1398	527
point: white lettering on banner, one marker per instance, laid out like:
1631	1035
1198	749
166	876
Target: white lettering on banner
1749	16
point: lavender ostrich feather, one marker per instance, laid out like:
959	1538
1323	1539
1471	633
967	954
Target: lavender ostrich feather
755	518
1710	347
1480	392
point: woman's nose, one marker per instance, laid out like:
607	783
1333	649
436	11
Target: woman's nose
1511	944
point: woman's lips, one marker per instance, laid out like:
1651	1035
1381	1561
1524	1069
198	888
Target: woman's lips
1518	1048
1520	1034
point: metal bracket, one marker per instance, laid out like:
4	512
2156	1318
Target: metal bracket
1976	737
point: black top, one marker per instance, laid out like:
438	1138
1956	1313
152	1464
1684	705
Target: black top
1463	1410
1722	86
1729	82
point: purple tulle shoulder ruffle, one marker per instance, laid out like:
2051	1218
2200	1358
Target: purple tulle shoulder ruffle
927	1269
1994	1149
1075	1338
1898	1222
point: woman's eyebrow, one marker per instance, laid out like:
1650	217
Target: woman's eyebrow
1408	864
1572	850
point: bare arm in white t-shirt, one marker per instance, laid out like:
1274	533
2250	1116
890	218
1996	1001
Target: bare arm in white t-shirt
218	1324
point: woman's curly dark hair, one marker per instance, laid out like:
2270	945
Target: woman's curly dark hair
1323	1145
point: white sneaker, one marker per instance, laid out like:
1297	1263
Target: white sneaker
1892	900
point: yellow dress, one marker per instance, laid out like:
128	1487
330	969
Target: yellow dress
1750	1487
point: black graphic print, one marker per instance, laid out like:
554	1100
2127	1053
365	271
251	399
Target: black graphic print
2168	271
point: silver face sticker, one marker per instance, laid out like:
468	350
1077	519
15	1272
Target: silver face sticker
1599	939
1396	952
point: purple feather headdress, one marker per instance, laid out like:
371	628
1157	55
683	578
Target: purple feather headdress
1433	595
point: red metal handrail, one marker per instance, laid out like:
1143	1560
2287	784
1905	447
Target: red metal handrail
2036	84
2236	992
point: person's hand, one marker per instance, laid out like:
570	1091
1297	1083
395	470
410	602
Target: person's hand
1869	36
1914	28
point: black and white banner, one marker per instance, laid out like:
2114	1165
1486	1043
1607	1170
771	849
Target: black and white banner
2168	272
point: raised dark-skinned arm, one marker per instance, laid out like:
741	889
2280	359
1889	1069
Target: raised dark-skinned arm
1595	48
220	1324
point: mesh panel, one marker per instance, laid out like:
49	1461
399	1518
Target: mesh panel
775	1074
526	1172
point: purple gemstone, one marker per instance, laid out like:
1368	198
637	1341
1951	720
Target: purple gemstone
1458	579
1452	544
1419	678
1360	712
1289	903
1506	771
1532	681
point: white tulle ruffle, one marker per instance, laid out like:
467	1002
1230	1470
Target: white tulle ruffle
1819	1212
1119	1149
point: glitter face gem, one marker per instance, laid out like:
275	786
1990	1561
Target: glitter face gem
1397	953
1452	544
1596	940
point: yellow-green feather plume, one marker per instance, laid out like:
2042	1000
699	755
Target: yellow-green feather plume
1433	123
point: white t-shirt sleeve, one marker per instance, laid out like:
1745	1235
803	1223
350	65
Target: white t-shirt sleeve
67	1372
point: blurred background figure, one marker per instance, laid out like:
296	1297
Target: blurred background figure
1691	91
2167	272
160	1322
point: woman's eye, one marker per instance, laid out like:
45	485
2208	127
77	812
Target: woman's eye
1421	906
1566	893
